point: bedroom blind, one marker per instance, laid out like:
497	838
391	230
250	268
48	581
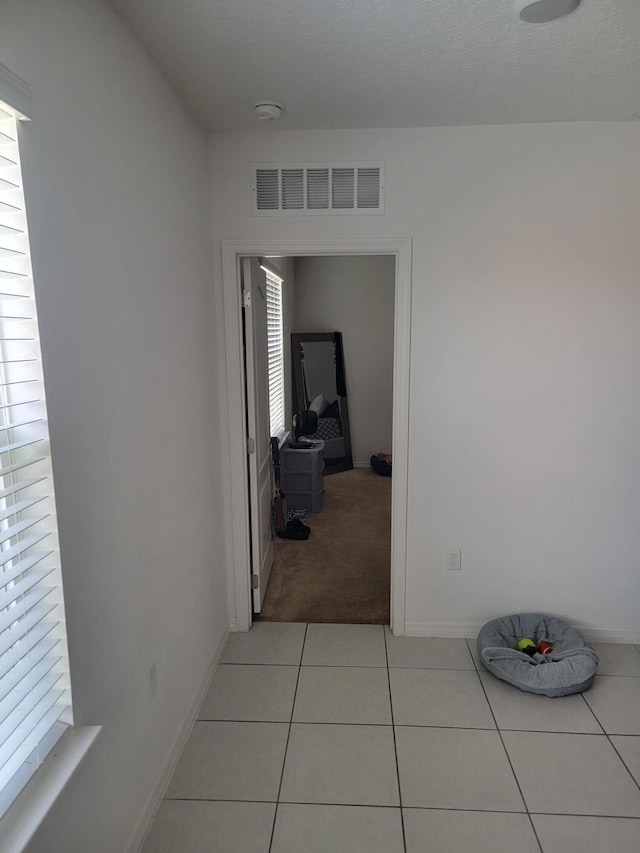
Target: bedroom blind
35	696
275	353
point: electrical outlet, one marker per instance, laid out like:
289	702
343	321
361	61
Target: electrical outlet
454	560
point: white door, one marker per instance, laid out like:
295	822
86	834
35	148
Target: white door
254	302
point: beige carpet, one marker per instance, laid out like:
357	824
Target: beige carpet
342	572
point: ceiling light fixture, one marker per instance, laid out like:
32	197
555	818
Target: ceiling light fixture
542	11
268	110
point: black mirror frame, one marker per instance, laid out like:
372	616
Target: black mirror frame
299	402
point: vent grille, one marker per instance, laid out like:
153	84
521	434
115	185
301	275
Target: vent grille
268	189
317	188
292	189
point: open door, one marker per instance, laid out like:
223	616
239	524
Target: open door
254	303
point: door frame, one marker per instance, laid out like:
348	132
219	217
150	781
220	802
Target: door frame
233	453
260	460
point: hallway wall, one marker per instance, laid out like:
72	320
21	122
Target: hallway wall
117	193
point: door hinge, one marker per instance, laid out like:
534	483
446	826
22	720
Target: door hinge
254	581
251	446
246	299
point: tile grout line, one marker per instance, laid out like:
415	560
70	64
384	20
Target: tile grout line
616	675
593	713
286	747
395	745
608	736
624	763
506	752
633	818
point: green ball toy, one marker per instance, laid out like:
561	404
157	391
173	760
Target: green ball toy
527	646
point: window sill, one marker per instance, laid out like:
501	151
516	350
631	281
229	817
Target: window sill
30	808
282	437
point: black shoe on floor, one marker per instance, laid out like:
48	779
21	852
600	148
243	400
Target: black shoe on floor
295	530
295	523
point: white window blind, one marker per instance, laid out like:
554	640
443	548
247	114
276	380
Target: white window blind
275	352
35	695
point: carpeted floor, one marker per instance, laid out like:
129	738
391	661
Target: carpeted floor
342	572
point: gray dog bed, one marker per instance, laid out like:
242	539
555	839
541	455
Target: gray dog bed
570	668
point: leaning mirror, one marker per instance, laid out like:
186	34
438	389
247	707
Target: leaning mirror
319	385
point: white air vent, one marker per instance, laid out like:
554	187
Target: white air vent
290	189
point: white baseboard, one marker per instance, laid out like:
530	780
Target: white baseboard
155	798
441	629
361	464
608	635
590	634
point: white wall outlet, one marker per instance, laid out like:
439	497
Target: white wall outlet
454	560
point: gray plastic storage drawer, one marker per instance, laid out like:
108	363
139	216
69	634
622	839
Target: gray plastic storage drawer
302	481
301	477
310	460
312	502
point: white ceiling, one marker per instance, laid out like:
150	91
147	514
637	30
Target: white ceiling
392	63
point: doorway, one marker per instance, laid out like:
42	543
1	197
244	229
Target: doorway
234	454
340	311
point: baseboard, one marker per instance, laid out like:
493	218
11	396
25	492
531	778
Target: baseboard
155	798
608	635
441	629
590	634
366	464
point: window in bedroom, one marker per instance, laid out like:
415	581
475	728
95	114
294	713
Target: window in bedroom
275	353
35	692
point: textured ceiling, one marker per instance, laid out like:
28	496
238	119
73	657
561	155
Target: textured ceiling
392	63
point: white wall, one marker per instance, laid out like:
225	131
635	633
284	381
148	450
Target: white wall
524	414
118	207
355	296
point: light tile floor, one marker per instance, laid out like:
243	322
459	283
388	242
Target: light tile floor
344	738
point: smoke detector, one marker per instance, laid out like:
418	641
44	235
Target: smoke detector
543	11
268	110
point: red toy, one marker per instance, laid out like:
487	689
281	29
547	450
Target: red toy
544	648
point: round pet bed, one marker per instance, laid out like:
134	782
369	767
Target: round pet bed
569	668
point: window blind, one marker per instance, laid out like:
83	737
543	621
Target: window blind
35	696
275	354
